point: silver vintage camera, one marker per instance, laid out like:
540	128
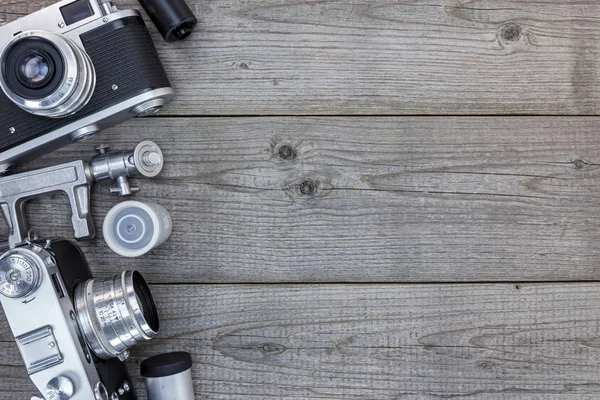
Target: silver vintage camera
71	70
73	331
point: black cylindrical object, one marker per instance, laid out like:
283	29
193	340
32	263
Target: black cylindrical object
169	376
173	18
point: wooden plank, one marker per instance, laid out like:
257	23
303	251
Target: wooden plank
374	341
361	199
334	57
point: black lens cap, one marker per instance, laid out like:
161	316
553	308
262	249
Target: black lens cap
173	19
166	364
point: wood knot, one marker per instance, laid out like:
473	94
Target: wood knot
579	164
486	365
287	152
307	187
266	348
510	32
273	348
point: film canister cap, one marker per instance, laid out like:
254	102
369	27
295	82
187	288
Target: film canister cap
166	364
132	228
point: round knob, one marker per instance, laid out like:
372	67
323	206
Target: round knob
60	388
19	275
148	159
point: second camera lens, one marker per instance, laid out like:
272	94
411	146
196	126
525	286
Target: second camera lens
116	313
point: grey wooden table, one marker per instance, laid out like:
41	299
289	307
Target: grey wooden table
371	200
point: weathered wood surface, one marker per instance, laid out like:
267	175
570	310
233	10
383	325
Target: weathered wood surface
381	57
374	341
361	199
369	199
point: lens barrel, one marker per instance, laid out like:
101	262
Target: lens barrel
46	74
116	313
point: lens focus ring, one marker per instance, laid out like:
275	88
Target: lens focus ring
116	313
74	87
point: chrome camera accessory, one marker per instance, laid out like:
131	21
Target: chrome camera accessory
145	160
168	376
75	178
72	70
73	331
132	228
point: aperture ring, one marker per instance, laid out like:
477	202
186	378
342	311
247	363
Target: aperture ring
110	314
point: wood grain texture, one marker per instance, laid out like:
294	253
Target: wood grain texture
360	199
368	200
373	341
290	57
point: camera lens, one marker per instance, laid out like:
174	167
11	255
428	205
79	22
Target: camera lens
46	74
35	70
116	313
32	69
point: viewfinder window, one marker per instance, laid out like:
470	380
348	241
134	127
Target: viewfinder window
76	11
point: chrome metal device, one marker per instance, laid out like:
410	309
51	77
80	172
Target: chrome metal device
75	178
146	160
73	331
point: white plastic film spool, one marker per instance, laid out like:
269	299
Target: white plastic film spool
132	228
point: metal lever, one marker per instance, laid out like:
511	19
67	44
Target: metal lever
75	179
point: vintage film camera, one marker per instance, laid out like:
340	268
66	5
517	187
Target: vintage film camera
71	70
74	331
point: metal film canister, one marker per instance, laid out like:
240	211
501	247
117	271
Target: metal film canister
132	228
169	376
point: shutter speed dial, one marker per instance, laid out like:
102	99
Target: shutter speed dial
19	275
